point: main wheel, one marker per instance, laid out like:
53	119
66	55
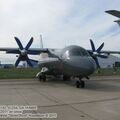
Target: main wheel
82	84
77	84
44	78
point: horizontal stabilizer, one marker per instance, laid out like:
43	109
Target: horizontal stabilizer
114	13
118	22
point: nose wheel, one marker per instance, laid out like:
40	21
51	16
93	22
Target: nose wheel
80	84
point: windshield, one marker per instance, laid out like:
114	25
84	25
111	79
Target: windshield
78	52
74	51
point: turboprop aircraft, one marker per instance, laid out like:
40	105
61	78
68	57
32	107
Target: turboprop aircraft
116	14
71	61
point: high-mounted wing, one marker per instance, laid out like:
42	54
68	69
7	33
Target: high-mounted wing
35	51
108	52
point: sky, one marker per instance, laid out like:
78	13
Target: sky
61	23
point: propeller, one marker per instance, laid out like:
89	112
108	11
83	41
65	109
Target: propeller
97	53
23	52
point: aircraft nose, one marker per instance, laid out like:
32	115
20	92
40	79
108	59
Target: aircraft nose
91	66
84	64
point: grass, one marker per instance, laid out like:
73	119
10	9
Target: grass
15	73
107	72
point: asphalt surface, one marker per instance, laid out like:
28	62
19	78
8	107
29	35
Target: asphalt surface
99	100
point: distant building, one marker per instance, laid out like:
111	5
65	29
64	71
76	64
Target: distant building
6	65
108	63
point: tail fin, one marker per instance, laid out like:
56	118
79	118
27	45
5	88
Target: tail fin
118	22
41	41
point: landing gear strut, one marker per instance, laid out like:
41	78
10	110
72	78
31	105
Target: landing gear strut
80	84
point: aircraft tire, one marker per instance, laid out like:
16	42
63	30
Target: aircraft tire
77	84
44	78
40	78
82	84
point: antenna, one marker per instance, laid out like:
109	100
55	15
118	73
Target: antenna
41	41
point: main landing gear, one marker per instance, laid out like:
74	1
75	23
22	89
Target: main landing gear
42	78
80	83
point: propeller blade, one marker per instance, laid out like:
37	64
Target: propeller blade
35	61
29	43
102	56
100	48
13	51
29	62
92	45
97	63
17	61
32	52
19	43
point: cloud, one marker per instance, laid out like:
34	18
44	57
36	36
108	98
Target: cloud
61	22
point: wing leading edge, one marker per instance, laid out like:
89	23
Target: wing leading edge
106	52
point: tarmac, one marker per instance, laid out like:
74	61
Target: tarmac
99	100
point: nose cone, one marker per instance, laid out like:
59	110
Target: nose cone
83	65
90	65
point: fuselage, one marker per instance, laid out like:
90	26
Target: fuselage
74	61
79	66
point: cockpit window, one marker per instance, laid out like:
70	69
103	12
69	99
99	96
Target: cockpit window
74	51
78	52
84	52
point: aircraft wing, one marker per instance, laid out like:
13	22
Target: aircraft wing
114	13
110	52
34	51
106	52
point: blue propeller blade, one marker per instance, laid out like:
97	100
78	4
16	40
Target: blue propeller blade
92	45
97	63
29	43
13	51
29	62
19	43
100	48
103	56
33	52
17	61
